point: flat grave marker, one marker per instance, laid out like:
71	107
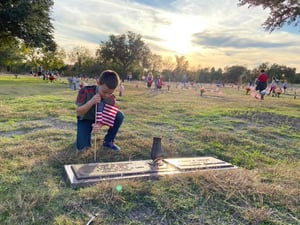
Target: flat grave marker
86	174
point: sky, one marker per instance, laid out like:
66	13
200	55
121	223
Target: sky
208	33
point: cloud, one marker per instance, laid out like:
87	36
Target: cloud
231	40
207	32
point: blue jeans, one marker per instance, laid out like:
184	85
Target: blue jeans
84	131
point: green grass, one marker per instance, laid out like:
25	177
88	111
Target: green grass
37	138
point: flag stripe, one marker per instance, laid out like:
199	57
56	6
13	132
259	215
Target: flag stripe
106	114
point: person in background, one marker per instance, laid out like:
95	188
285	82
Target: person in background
285	85
159	83
70	82
87	99
149	80
272	87
121	90
261	83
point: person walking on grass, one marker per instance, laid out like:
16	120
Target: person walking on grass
285	85
273	87
87	99
261	83
149	80
159	82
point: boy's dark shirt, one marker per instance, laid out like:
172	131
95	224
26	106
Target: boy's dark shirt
84	95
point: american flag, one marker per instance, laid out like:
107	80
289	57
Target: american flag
106	114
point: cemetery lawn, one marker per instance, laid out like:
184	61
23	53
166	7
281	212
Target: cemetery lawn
262	138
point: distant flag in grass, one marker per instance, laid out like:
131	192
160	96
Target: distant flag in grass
106	114
220	93
253	94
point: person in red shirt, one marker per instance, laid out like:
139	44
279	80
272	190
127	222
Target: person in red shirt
159	83
261	83
149	80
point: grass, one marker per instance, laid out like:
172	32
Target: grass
37	136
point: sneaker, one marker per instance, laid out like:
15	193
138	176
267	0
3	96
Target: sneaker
112	146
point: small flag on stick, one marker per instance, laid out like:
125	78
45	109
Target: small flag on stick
106	114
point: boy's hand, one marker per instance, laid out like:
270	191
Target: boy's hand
96	127
96	99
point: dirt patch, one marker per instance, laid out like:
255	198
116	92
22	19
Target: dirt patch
37	125
270	119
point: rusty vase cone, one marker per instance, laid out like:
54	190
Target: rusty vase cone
156	152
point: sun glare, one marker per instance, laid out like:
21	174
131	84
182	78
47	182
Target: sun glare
177	36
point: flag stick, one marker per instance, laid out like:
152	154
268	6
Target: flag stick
95	144
95	148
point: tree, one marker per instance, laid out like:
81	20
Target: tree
168	63
281	12
48	60
33	58
82	59
27	20
53	60
233	73
168	68
282	72
156	62
216	75
12	54
182	65
144	64
124	51
204	75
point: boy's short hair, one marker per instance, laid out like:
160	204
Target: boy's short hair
110	78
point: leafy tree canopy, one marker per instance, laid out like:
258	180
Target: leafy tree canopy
124	50
11	54
28	20
281	12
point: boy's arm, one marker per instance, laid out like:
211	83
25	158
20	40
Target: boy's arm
83	109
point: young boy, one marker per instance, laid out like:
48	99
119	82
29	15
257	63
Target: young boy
86	102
